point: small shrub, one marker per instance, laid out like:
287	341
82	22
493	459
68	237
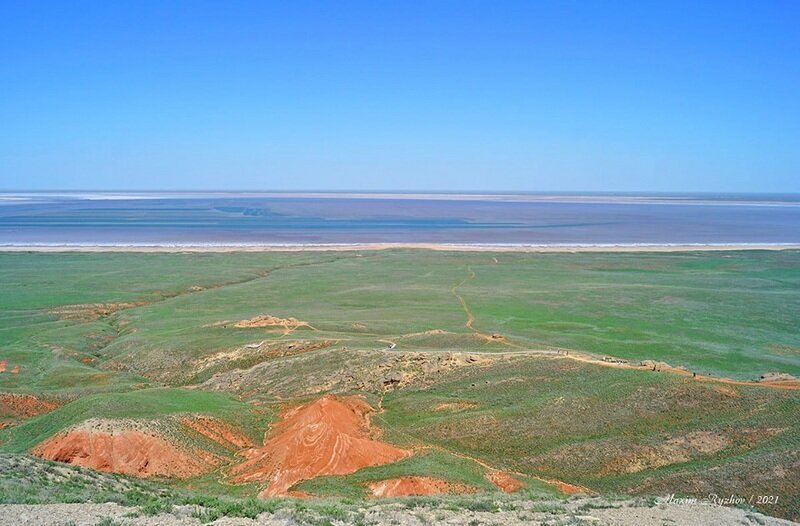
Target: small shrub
206	515
482	505
156	507
333	511
547	507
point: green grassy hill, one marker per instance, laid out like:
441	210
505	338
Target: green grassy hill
470	358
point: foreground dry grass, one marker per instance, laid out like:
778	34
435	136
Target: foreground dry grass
579	511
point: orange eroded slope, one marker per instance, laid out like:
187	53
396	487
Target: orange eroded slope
329	436
504	482
407	486
570	489
217	431
126	451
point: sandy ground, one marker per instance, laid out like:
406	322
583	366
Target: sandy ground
573	512
386	246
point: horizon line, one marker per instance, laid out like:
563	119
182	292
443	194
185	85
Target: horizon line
402	192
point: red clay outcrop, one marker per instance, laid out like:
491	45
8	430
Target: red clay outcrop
504	482
120	449
570	489
4	366
329	436
412	485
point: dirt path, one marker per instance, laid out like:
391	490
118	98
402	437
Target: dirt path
559	484
573	354
471	317
578	356
390	343
587	358
454	291
562	486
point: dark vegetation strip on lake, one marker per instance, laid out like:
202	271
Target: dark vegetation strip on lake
218	219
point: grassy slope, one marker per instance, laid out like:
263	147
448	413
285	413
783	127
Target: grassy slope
51	351
731	314
727	314
430	463
573	421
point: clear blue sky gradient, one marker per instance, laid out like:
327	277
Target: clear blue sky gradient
379	95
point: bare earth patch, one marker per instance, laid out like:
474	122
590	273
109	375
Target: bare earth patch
266	320
329	436
119	447
730	392
254	353
408	486
452	407
432	332
92	311
23	405
504	482
569	489
673	451
779	380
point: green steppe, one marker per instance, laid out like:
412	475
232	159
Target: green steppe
523	406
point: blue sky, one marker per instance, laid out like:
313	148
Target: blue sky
379	95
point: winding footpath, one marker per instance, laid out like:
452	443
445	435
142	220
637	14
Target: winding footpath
580	356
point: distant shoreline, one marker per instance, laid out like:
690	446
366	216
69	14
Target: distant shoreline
766	199
454	247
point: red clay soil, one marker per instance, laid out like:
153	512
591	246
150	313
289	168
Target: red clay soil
15	369
329	436
3	364
24	406
217	431
208	457
407	486
129	451
569	489
504	482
